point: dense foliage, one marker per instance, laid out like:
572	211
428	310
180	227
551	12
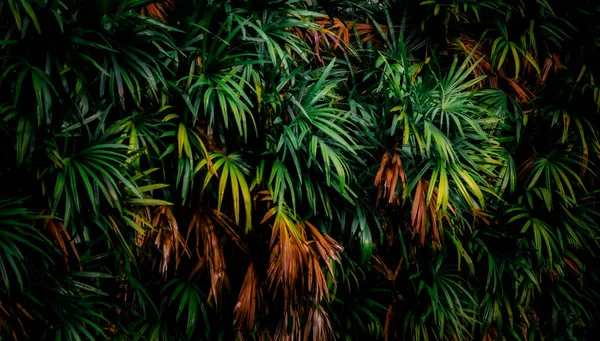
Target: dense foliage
293	170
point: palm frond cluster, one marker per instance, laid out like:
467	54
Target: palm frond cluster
299	170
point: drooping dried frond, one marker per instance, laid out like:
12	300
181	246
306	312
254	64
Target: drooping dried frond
425	218
337	26
289	256
390	170
159	9
523	94
491	335
345	30
166	237
379	265
321	40
318	325
295	267
553	64
228	226
335	34
369	32
61	238
14	315
389	318
298	248
249	300
289	327
3	317
213	253
327	248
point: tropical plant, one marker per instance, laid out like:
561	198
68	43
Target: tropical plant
294	170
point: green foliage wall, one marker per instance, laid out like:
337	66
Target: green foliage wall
294	170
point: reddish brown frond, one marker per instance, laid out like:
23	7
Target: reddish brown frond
571	264
295	268
198	268
336	25
228	225
493	80
424	216
164	234
8	317
327	248
328	37
418	212
526	167
249	300
24	311
169	238
291	317
159	9
213	253
552	63
317	283
194	227
264	335
318	325
389	318
491	335
289	257
380	266
61	238
382	167
369	32
390	170
524	95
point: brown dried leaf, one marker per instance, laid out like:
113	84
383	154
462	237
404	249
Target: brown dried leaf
553	63
524	95
164	234
318	325
390	170
380	266
491	335
572	265
526	168
159	9
61	238
168	239
213	253
424	216
295	268
389	318
249	300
